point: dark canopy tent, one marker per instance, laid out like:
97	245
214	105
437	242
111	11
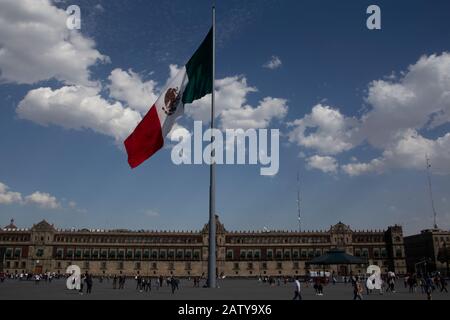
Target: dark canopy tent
336	257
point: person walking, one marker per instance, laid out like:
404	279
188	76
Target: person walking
297	290
429	287
115	282
320	285
82	284
443	285
37	279
357	290
121	281
89	282
173	284
138	279
392	283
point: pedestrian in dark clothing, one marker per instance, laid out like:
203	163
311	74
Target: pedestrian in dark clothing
121	282
443	285
138	279
88	281
81	287
173	284
115	282
429	287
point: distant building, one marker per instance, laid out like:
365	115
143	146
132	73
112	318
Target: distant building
428	251
239	254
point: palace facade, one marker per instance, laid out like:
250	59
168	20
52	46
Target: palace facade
45	248
428	251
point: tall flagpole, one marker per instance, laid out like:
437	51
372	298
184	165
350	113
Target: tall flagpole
431	191
212	176
298	203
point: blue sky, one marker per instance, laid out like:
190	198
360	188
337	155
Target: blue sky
362	108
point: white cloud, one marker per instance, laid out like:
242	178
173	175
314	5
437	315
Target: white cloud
231	93
72	204
36	45
173	71
408	151
40	199
325	130
9	197
43	200
356	169
273	63
259	117
232	108
420	99
99	7
401	108
78	107
152	213
128	87
325	164
81	107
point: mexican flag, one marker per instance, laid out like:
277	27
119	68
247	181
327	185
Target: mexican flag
193	82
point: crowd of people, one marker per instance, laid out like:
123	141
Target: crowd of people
415	283
427	284
144	284
25	276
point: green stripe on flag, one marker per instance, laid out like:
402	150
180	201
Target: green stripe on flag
199	71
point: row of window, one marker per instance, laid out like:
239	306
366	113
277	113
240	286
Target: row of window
155	254
16	265
271	240
16	238
263	266
233	240
376	253
129	254
245	254
368	239
13	253
120	265
113	239
250	266
442	239
318	239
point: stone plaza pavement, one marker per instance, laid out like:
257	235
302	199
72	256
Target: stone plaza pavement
230	289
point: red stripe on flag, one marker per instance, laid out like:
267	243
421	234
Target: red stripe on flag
145	140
